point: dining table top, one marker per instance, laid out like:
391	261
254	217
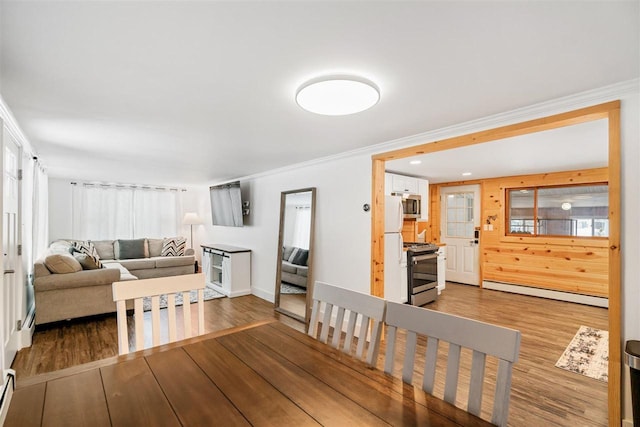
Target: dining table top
264	373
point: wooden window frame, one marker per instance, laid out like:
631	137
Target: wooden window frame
536	234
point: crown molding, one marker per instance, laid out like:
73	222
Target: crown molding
534	111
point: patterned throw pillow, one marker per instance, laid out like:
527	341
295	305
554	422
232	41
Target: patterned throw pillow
89	249
174	246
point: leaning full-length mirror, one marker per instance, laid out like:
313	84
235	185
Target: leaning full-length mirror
295	248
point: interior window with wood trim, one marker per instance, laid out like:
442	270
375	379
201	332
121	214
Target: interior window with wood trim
559	211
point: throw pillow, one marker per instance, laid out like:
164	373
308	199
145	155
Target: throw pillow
286	252
87	262
89	249
104	248
62	264
130	248
300	258
173	246
155	247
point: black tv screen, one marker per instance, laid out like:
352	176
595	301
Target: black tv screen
226	204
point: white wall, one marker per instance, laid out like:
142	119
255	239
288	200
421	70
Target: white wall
341	253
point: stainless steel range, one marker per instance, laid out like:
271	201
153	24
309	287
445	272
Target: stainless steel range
422	272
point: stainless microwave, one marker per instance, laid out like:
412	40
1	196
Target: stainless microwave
410	205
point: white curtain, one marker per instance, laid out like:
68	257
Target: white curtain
302	227
103	212
40	224
156	213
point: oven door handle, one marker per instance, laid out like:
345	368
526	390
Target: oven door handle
416	259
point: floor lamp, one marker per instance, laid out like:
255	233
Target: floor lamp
191	219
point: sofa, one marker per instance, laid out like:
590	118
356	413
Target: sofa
73	279
295	267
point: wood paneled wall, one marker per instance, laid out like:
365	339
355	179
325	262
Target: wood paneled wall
577	265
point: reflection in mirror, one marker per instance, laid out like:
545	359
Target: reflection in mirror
295	244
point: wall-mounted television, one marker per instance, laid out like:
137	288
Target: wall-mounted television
226	204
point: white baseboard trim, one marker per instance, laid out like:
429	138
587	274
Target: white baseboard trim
265	295
546	293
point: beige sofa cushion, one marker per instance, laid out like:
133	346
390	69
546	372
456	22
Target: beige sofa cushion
87	262
174	261
81	279
62	264
155	247
104	248
138	264
124	273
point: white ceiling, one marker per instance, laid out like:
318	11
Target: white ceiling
582	146
198	91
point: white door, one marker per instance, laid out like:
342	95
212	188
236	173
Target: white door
460	219
11	295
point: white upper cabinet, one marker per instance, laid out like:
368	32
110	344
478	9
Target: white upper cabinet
400	184
423	191
407	184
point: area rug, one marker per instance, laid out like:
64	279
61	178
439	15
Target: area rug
587	354
288	289
209	294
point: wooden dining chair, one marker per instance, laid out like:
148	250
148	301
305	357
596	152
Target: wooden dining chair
483	338
136	290
359	308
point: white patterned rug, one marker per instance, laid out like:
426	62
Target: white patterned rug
286	288
587	354
209	294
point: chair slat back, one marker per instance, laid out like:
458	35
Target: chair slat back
483	338
364	309
136	290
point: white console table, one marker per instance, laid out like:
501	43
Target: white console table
227	269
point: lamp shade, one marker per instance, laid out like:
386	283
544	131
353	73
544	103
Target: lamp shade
191	218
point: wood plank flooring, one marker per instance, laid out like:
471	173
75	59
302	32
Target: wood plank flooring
541	393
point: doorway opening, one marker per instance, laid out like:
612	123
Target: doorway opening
609	111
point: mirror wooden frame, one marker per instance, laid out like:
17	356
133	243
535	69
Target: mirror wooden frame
276	303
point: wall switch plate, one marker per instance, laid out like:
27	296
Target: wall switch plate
490	227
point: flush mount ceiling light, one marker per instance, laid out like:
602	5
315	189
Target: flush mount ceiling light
337	95
466	173
415	162
565	206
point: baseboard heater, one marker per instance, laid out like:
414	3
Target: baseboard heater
7	392
546	293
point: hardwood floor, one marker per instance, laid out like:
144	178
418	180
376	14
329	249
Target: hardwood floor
542	395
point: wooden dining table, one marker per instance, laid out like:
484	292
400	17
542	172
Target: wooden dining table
265	373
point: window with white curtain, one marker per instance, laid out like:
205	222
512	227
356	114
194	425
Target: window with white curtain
102	212
302	227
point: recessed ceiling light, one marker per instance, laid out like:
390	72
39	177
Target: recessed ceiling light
337	95
415	162
466	173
